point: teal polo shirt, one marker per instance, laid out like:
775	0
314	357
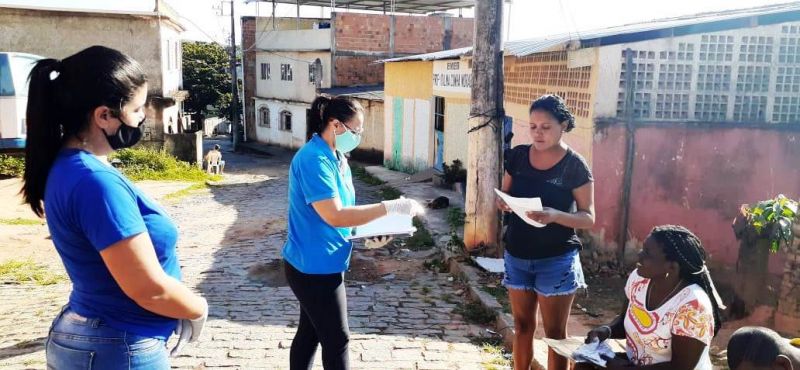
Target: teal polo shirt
317	173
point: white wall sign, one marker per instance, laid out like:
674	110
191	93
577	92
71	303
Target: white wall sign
453	76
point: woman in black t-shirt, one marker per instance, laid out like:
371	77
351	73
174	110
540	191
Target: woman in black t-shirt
543	268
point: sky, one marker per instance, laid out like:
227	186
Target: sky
209	20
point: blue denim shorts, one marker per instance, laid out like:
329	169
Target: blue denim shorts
559	275
77	342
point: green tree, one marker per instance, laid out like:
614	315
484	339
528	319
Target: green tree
206	75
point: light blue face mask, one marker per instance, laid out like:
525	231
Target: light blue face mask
347	141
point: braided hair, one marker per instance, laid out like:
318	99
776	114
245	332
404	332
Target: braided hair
683	247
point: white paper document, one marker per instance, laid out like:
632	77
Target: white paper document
521	206
386	225
575	349
494	265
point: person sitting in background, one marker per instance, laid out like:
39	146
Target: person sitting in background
214	160
757	348
673	308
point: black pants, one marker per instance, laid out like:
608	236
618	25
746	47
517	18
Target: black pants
323	320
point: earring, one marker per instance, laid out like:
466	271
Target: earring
666	276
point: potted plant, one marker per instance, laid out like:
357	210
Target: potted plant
455	176
762	229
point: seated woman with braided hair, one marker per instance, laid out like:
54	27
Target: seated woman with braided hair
673	308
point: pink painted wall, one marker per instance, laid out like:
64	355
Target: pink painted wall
696	176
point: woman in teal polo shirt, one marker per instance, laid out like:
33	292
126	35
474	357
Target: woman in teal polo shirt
322	213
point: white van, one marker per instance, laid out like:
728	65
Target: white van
14	71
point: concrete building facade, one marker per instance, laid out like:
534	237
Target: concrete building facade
288	61
152	38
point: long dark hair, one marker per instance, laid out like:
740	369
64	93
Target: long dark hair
62	96
557	108
683	247
324	109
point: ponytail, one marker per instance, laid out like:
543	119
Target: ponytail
44	134
316	124
61	98
324	109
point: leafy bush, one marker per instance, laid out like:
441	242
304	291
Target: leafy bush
148	164
455	218
422	239
455	172
773	219
362	174
11	165
389	193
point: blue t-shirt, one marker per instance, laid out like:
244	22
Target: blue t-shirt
316	173
90	206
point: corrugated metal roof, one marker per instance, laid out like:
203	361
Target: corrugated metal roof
368	92
680	26
446	54
400	6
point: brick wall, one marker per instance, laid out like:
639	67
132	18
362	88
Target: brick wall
529	77
362	32
414	35
361	39
249	67
358	71
463	32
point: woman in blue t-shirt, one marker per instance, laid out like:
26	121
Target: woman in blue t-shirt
322	213
117	245
543	268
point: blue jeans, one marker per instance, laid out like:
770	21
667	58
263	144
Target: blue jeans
76	342
553	276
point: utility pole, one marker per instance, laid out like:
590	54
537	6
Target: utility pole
234	85
482	226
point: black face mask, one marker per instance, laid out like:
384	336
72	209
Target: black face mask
126	136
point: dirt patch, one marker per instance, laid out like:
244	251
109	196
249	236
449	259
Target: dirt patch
28	243
603	300
249	229
271	274
363	269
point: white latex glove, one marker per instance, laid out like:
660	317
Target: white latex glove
403	206
377	241
188	331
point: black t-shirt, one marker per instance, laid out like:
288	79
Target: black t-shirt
554	186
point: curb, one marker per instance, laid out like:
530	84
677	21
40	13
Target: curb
503	322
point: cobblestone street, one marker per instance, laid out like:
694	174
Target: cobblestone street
401	315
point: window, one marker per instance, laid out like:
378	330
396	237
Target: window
177	55
169	55
438	113
311	69
286	72
286	121
264	69
263	116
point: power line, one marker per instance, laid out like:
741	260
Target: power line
203	32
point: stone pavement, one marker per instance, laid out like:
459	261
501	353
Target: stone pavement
230	244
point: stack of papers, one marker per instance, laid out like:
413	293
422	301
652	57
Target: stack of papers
521	206
386	225
576	349
595	353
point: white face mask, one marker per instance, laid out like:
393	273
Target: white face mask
347	141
